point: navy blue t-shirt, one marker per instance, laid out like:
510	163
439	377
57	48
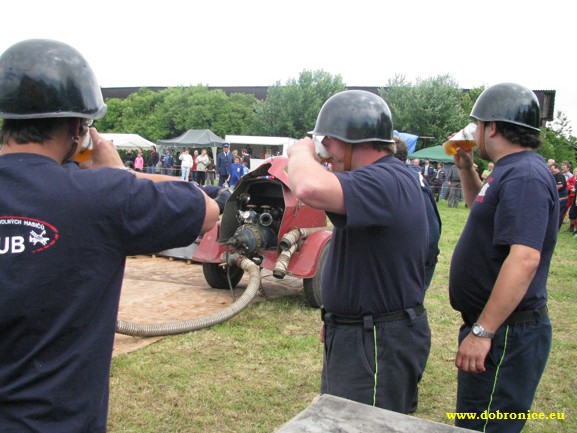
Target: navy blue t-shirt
377	254
560	179
64	236
517	205
434	223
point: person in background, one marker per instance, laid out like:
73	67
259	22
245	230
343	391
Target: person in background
428	171
70	230
167	163
416	165
201	167
129	159
454	184
570	201
438	180
194	166
566	170
152	160
223	162
185	164
499	268
245	158
376	334
236	172
210	172
139	161
563	194
487	172
573	208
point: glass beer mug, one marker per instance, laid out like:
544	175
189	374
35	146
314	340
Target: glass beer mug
465	139
320	150
86	148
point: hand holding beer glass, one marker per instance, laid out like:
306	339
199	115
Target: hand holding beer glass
320	150
465	139
86	148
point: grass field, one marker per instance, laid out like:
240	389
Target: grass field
261	368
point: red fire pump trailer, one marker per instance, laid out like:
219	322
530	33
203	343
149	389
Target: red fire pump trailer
264	222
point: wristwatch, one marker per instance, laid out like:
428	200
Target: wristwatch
478	331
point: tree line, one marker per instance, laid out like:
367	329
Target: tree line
433	107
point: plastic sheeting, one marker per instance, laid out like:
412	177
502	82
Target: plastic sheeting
410	139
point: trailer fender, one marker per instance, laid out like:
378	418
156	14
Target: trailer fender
304	263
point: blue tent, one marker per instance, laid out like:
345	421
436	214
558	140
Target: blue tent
410	139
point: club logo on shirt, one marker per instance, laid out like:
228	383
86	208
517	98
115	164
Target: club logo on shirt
20	235
481	196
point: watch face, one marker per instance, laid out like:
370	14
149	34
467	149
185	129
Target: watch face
479	331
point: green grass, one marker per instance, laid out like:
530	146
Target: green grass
261	368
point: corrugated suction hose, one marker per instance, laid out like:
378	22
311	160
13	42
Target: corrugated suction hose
294	236
172	328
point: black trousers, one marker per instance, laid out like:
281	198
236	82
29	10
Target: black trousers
379	365
200	177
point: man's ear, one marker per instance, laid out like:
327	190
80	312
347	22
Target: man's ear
492	128
75	127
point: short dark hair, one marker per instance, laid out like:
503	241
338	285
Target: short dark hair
520	135
36	130
402	151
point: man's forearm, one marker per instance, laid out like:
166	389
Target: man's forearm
471	184
511	285
313	184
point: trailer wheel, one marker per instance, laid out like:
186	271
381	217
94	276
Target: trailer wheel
216	277
312	286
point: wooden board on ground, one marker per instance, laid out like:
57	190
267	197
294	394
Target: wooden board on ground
328	413
158	290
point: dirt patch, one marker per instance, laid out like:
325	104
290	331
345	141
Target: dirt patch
161	289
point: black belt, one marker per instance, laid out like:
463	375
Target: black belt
409	313
528	316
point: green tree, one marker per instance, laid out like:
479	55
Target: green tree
171	112
432	107
469	98
112	121
558	143
291	110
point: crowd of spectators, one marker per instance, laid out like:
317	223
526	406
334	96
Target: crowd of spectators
196	167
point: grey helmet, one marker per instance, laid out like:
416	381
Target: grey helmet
508	102
355	116
41	78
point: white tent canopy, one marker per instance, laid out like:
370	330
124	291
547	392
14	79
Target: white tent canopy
261	143
128	141
262	146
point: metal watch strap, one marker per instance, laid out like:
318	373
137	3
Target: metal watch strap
479	331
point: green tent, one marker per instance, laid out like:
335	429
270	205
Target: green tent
435	153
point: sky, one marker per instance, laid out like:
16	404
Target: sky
259	43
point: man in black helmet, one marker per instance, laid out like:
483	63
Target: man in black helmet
64	236
376	332
500	264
